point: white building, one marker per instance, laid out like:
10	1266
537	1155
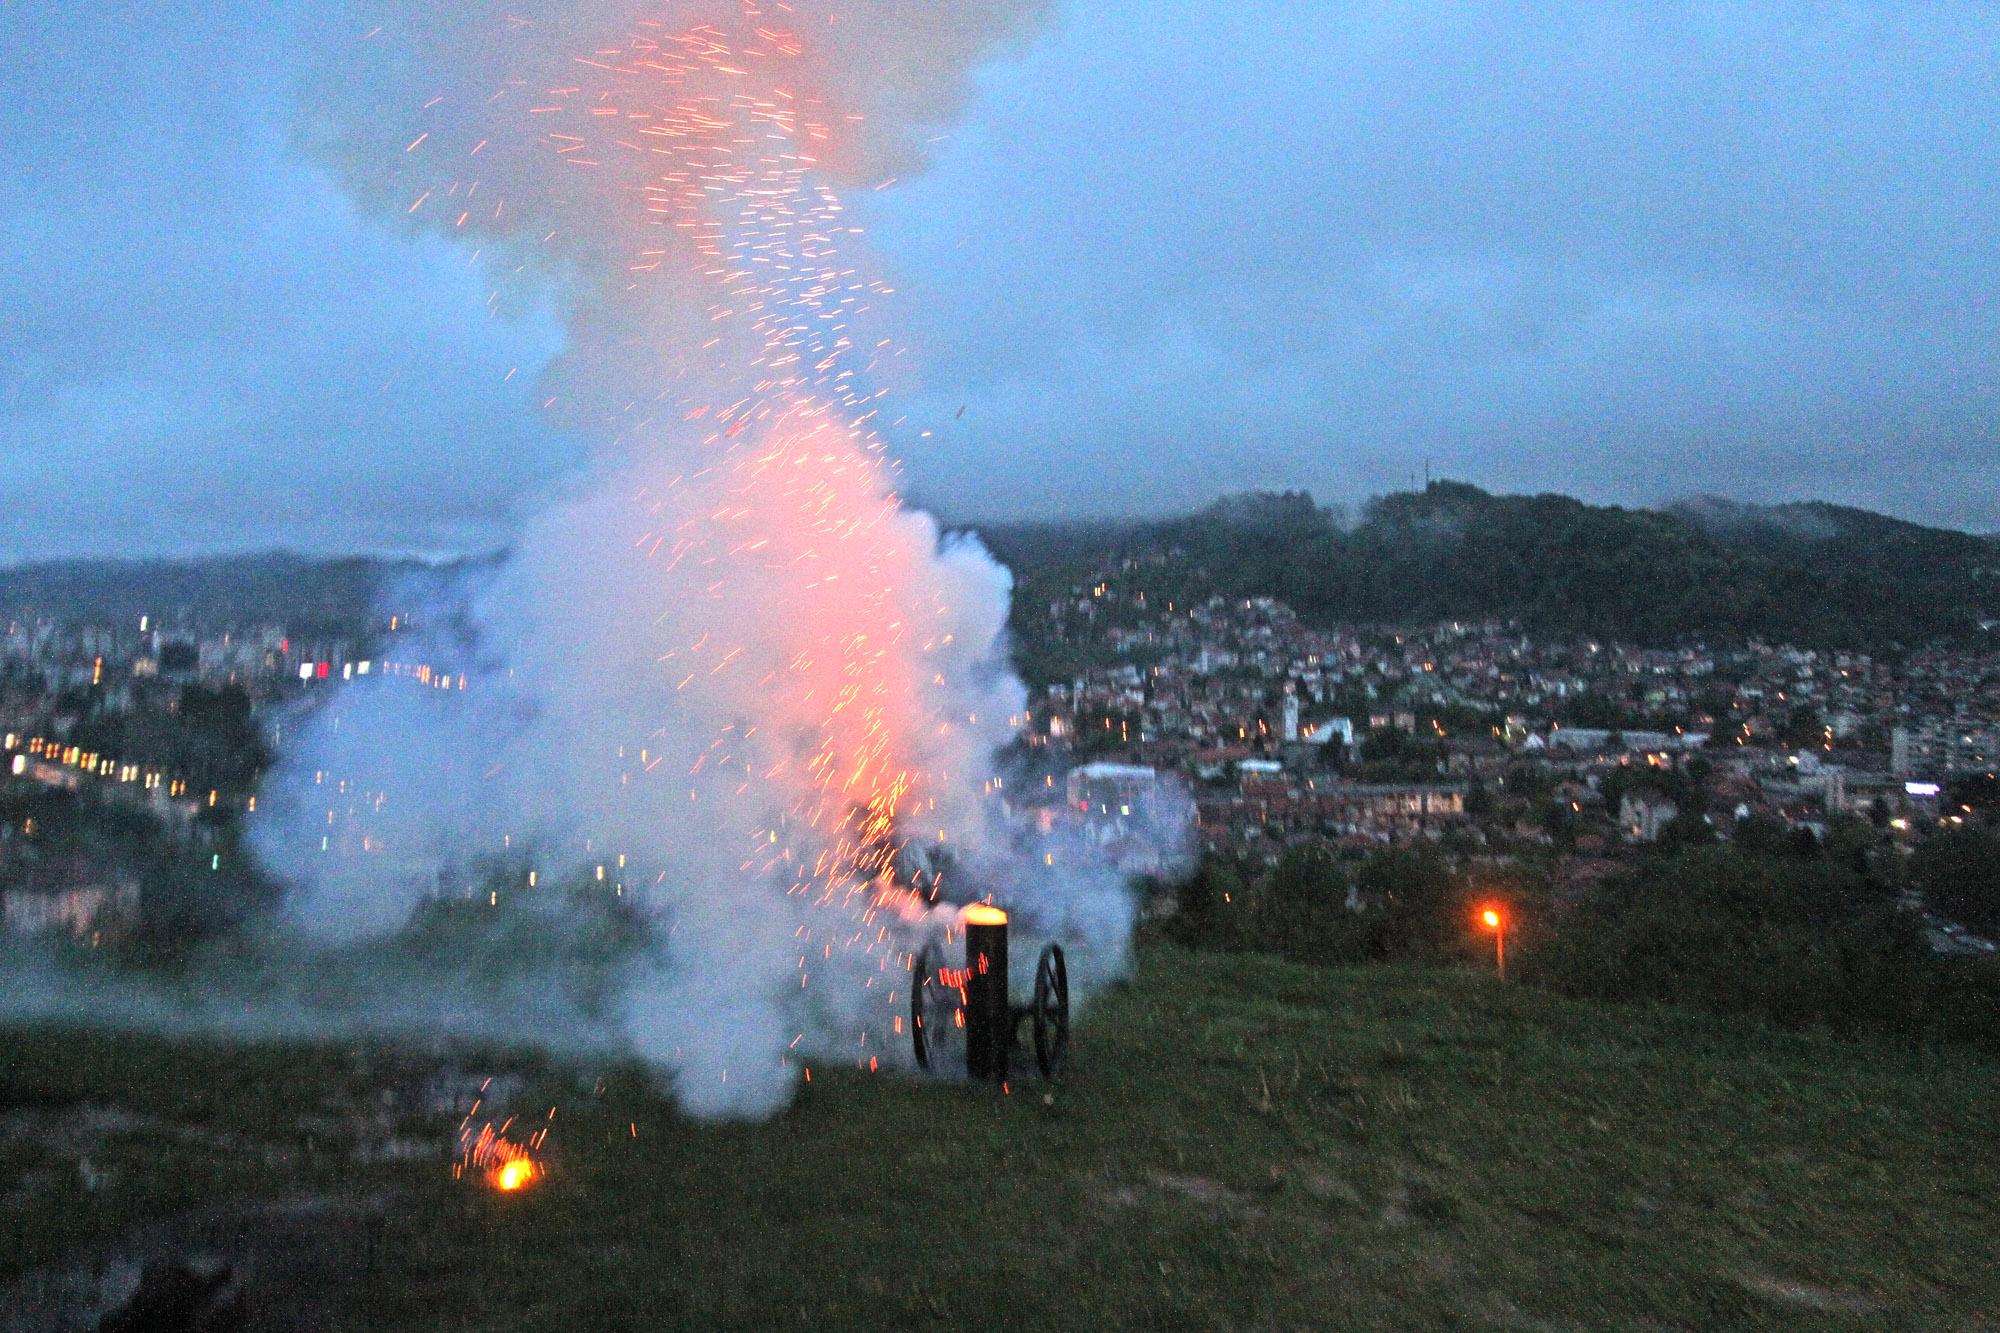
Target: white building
1641	816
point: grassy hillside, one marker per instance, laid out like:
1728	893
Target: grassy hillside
1240	1143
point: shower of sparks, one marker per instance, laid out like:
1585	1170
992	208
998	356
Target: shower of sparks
702	148
488	1154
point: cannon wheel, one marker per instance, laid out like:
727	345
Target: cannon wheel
935	1017
923	972
1051	1011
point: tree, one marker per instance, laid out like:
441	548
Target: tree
1303	909
1850	844
1802	943
1530	781
1391	755
1685	830
1761	835
1958	873
1417	906
1561	822
1803	727
1478	800
1213	908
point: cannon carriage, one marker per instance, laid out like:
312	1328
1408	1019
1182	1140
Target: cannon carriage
968	1013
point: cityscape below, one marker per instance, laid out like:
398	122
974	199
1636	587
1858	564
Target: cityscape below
1493	744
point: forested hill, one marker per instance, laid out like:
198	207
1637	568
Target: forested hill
1815	574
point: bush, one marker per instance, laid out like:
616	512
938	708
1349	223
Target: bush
1802	943
1409	905
1958	873
1214	911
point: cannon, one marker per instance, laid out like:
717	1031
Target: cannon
970	1007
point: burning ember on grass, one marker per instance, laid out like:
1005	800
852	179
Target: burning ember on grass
489	1154
514	1174
498	1161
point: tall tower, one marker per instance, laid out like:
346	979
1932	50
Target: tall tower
1289	730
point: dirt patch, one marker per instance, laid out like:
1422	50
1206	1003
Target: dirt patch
1808	1296
77	1132
1329	1188
1204	1190
71	1131
1201	1189
292	1260
1419	1198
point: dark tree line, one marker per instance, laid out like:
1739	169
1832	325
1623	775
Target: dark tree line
1770	925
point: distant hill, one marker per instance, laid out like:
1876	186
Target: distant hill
275	587
1813	574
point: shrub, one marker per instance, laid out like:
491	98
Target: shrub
1802	943
1958	873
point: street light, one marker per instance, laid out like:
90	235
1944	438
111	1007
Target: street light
1490	918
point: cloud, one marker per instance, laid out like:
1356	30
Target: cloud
1622	249
1618	249
204	344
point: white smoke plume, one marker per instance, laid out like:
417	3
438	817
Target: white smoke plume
728	676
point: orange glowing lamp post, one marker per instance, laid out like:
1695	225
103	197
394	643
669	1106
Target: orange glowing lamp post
1491	918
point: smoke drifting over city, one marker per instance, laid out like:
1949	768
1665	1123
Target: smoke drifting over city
726	675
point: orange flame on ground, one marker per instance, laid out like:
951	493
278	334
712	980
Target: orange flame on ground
516	1173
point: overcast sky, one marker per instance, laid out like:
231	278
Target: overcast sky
1175	249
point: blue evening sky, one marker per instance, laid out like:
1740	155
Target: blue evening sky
1175	249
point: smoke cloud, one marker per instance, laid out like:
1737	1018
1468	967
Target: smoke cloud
727	679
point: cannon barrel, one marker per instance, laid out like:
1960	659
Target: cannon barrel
989	1019
978	1001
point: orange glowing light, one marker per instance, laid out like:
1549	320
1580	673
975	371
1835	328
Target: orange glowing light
516	1173
1491	918
985	914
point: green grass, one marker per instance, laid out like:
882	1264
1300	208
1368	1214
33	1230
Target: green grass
1239	1143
